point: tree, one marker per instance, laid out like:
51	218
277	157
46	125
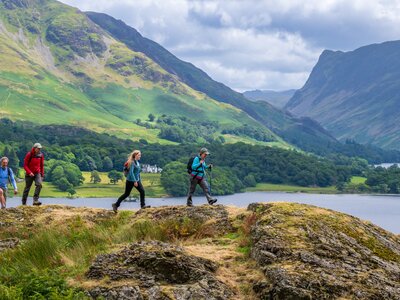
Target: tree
249	180
13	160
63	184
95	177
115	176
107	164
64	175
151	117
71	193
174	179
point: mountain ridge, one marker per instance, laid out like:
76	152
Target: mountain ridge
280	122
74	68
355	94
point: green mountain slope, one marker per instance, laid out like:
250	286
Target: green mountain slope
299	131
355	94
58	67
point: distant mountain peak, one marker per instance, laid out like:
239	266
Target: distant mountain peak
355	94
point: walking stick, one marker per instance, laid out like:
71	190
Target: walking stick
210	178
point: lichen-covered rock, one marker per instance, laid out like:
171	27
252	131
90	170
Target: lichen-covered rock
151	265
312	253
8	243
118	293
213	220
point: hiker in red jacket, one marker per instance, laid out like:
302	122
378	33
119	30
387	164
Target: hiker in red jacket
34	168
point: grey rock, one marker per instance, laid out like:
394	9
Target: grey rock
8	244
153	264
116	293
318	259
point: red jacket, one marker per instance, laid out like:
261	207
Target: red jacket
34	163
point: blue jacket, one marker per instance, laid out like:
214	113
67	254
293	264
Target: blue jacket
199	170
4	178
134	172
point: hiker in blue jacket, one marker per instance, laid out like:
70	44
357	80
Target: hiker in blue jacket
6	175
197	177
132	180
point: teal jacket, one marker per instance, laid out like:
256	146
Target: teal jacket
199	170
134	172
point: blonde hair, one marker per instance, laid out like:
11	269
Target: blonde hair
132	156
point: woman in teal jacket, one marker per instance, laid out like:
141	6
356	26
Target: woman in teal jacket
132	180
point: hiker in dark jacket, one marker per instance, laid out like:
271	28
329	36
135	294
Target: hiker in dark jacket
197	177
34	168
132	180
6	175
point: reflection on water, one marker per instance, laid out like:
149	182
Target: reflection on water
387	165
382	210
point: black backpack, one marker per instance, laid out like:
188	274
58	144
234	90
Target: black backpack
189	165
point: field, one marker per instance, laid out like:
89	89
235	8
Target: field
358	179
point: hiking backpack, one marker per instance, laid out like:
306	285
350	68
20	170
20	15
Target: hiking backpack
189	165
126	169
9	175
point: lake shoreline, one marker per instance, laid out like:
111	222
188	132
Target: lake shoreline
383	210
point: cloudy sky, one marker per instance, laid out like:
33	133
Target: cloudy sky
256	44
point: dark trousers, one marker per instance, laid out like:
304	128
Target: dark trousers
128	188
28	183
203	184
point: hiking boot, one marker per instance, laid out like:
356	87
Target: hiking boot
114	207
23	202
3	207
37	203
189	202
212	201
145	206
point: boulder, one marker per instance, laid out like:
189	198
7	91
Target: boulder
153	267
307	252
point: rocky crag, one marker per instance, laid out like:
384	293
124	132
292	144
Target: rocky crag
269	251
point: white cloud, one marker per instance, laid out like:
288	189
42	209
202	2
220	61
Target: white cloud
252	44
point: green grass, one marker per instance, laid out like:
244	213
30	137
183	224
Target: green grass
358	179
39	267
52	253
269	187
104	189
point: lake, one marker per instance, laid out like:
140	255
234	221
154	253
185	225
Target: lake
387	165
382	210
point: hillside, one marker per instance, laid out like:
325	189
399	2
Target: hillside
298	131
269	251
277	99
58	67
355	95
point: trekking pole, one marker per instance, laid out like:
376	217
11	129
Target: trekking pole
210	178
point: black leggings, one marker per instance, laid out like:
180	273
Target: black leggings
128	188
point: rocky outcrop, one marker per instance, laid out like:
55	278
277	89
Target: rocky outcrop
75	32
8	244
212	220
270	251
312	253
157	271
